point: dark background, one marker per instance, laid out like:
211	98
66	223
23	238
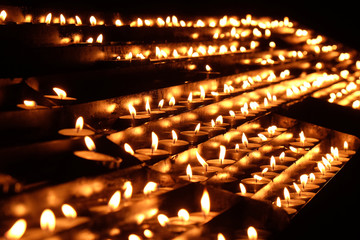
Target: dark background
336	19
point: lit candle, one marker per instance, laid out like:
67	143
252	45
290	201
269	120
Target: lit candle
213	130
266	173
322	174
133	119
71	218
206	214
92	155
255	183
282	159
141	157
17	230
303	142
30	105
261	138
233	119
154	153
273	167
60	97
154	114
78	131
246	144
219	122
204	168
192	177
190	102
237	152
173	145
194	137
288	210
221	162
243	191
298	194
304	185
291	203
112	205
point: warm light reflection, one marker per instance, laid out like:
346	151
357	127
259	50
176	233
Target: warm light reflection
128	149
162	219
220	236
150	187
68	211
29	103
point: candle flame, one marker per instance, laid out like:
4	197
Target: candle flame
286	194
272	129
205	203
201	160
172	101
304	180
114	201
282	156
61	93
190	97
62	19
92	21
48	220
174	136
3	15
147	106
264	171
272	162
162	219
48	18
262	137
183	215
302	137
232	113
202	92
237	147
252	233
208	68
134	237
197	128
29	103
78	20
311	177
257	177
219	120
128	149
128	190
189	171
321	167
118	23
244	140
242	188
326	163
90	143
17	230
132	110
100	38
154	142
68	211
222	154
161	103
346	145
293	149
297	189
278	202
212	123
150	187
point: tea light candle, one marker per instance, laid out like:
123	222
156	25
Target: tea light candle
323	174
248	145
233	119
141	157
30	105
266	174
314	180
221	162
291	203
303	142
191	103
255	183
273	167
78	131
346	151
173	145
288	210
172	108
243	191
192	177
284	159
92	155
194	137
237	152
204	168
206	214
301	194
60	97
261	138
133	119
70	220
182	221
154	152
273	131
112	205
219	122
304	185
154	114
213	130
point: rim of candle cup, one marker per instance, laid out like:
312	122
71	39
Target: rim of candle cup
56	97
302	145
258	140
326	175
309	187
179	146
37	107
247	194
332	169
84	154
81	133
277	168
194	178
293	203
269	175
158	154
309	139
216	162
201	169
304	195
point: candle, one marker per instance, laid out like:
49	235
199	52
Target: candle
191	103
213	130
221	162
141	157
60	97
173	145
273	166
303	142
304	185
346	151
194	137
219	122
266	174
233	119
243	191
284	159
328	166
203	96
154	152
154	114
237	152
30	105
301	194
205	215
255	183
92	155
291	203
47	226
205	168
172	108
261	138
78	131
192	177
288	210
112	205
133	119
71	219
272	131
323	174
246	144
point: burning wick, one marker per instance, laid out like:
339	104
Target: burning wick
132	111
154	142
202	162
174	136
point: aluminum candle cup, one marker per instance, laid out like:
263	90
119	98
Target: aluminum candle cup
154	114
190	105
132	121
236	154
73	132
213	131
172	146
153	154
194	137
253	184
267	174
234	121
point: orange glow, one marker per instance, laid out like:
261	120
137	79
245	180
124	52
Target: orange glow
262	137
220	236
208	68
232	113
92	21
62	19
161	103
78	20
282	156
297	189
346	145
162	219
286	195
244	140
172	101
252	233
174	136
302	137
202	92
205	203
100	38
147	106
3	15
114	201
304	180
264	171
90	40
272	162
134	237
17	230
61	93
132	110
128	190
89	143
257	177
219	120
128	149
68	211
48	220
118	23
150	187
183	215
154	142
278	202
190	97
